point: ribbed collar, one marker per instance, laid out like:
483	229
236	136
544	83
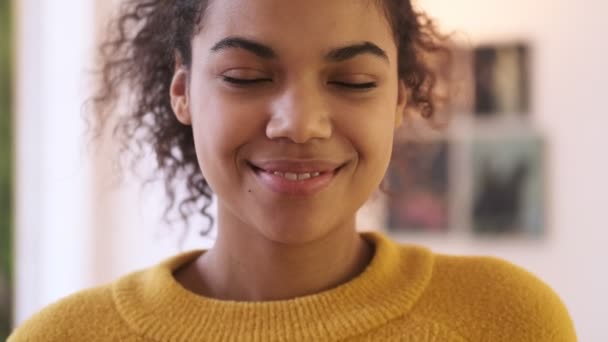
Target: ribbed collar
158	307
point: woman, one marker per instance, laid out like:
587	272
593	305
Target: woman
286	111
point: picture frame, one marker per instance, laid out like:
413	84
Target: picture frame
417	192
508	185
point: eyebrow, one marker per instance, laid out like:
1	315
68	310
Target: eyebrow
256	48
350	51
335	55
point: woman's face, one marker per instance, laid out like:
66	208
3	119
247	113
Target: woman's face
293	106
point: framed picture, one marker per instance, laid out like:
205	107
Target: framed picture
508	185
417	187
502	79
454	88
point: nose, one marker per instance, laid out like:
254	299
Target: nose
300	113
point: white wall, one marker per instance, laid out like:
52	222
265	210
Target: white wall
52	175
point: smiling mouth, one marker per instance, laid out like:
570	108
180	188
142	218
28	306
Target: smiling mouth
294	175
296	178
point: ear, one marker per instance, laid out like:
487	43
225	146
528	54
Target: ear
179	92
402	97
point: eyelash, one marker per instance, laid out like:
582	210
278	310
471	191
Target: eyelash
247	82
244	82
356	86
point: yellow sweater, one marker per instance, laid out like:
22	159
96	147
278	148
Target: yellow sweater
407	293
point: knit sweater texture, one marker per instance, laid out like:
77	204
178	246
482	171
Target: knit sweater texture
407	293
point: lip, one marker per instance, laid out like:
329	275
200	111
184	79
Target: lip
264	171
297	166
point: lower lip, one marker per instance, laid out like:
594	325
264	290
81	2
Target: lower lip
305	187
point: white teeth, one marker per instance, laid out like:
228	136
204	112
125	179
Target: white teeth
292	176
304	176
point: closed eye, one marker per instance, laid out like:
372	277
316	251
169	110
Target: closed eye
252	81
358	86
245	81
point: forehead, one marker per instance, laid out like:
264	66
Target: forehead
295	24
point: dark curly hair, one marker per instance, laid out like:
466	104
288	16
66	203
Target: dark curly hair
137	64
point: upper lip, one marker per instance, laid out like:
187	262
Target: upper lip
296	166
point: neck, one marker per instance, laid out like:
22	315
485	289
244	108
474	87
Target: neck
250	267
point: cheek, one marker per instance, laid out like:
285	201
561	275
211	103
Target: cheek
215	122
371	132
378	150
221	127
374	145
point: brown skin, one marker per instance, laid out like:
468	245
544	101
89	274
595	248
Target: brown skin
272	246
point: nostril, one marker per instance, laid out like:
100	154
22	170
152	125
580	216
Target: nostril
299	125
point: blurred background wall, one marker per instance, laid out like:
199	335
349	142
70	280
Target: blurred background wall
52	176
74	229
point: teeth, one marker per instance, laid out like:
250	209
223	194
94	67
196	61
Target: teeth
304	176
292	176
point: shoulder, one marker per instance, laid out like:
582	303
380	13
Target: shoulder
87	315
496	300
104	313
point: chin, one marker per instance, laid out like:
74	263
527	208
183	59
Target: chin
294	234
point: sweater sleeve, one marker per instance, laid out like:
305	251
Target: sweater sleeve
85	316
488	299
